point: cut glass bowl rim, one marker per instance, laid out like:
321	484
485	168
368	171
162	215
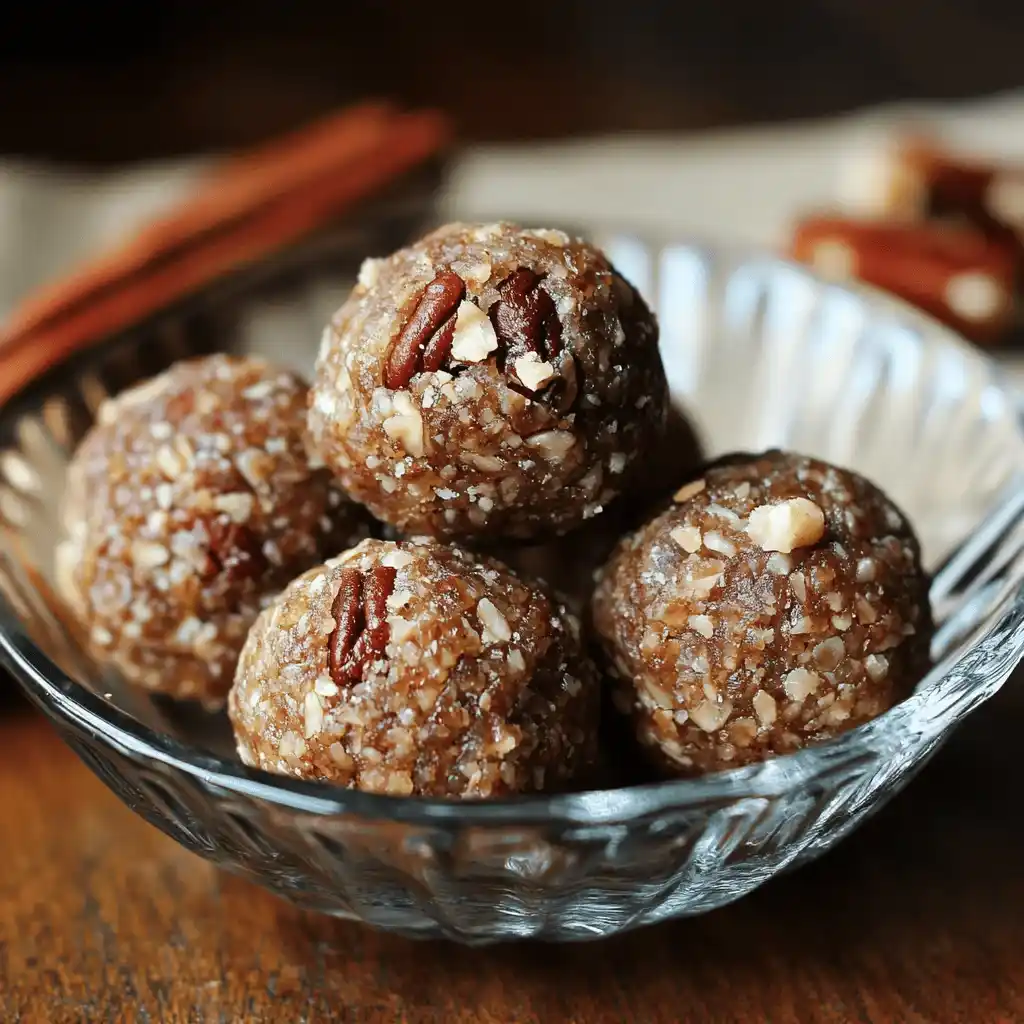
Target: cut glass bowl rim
75	704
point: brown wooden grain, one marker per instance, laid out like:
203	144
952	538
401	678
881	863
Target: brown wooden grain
187	77
917	918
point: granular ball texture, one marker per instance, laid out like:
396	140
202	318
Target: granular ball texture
489	381
187	506
777	602
417	668
569	564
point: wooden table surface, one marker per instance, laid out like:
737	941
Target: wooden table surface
919	917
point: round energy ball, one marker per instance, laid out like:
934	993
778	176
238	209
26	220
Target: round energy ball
413	667
777	602
489	381
189	503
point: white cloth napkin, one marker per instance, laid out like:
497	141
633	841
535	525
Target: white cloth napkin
737	185
51	219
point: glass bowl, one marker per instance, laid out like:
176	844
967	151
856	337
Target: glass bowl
761	354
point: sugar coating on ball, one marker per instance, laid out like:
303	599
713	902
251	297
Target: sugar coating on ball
188	504
488	381
415	667
778	602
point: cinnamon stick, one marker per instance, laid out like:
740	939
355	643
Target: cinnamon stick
250	208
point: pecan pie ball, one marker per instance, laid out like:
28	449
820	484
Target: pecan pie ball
413	667
189	504
779	601
489	381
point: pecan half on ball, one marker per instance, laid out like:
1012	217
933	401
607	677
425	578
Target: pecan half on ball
489	381
417	668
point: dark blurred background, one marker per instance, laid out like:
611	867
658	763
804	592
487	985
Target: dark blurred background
102	81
